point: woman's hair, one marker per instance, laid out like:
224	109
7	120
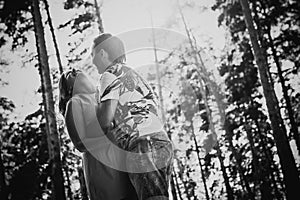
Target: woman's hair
112	45
66	84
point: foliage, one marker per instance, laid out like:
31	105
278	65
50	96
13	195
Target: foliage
16	21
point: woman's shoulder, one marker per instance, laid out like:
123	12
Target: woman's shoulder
81	102
84	98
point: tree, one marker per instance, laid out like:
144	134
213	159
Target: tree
52	132
60	66
6	106
291	176
266	17
99	19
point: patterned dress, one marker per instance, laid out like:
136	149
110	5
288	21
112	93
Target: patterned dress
138	128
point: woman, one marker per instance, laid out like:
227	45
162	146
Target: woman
77	103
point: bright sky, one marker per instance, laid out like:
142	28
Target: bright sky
118	16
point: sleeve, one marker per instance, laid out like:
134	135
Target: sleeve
109	87
75	124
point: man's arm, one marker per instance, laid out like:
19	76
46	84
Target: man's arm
108	99
106	112
75	124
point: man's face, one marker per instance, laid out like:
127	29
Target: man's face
97	60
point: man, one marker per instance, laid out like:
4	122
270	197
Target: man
128	110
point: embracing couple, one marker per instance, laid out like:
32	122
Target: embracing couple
127	155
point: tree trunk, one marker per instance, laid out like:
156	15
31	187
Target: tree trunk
99	19
52	133
173	188
177	185
83	189
294	128
272	167
218	97
3	186
255	161
225	176
60	66
67	175
183	181
291	176
239	164
200	164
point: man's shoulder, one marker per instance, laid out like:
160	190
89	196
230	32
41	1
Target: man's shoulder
120	69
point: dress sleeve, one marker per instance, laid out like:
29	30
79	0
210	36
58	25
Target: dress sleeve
109	87
75	124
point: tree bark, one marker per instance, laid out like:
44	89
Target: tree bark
225	176
173	188
294	127
177	185
83	189
239	163
200	164
3	186
291	176
67	175
183	181
99	19
60	66
52	133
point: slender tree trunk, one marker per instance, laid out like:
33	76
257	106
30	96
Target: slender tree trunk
83	189
225	176
272	168
60	66
67	175
183	181
200	164
239	164
218	99
177	185
261	38
3	186
291	176
99	19
261	178
255	162
173	188
294	127
52	133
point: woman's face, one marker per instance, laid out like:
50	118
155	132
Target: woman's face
83	84
76	82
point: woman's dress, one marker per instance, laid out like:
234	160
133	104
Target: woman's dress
103	182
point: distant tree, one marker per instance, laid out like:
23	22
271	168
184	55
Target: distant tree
6	107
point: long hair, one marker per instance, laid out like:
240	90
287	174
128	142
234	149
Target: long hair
66	84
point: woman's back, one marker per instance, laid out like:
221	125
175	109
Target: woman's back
103	182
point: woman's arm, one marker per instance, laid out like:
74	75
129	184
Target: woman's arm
75	124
